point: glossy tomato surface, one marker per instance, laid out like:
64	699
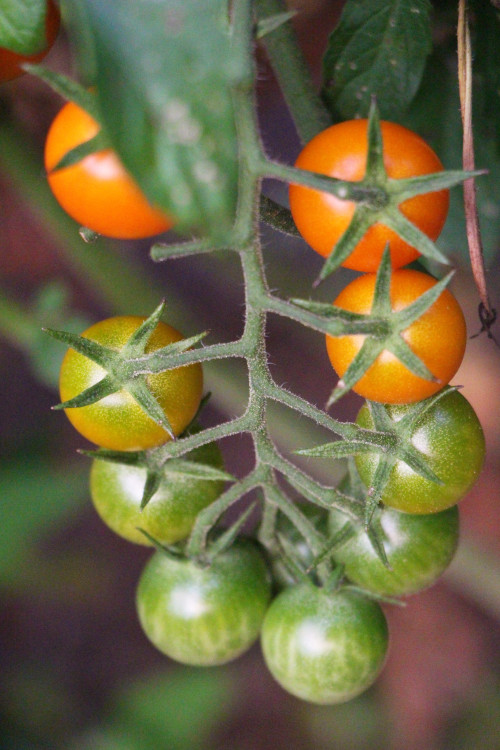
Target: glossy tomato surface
97	191
10	62
118	422
419	548
340	151
451	440
117	489
324	647
204	615
438	338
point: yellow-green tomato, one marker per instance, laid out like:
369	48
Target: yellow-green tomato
117	489
204	615
118	422
324	647
419	548
451	441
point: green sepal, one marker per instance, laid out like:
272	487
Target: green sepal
68	88
343	534
75	155
334	580
96	392
289	558
226	539
375	535
136	345
151	486
139	390
195	470
101	355
374	494
271	23
174	553
154	363
278	217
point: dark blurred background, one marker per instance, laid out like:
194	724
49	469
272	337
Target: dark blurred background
76	670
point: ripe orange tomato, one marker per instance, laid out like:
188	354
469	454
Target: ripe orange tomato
10	62
340	151
97	191
438	338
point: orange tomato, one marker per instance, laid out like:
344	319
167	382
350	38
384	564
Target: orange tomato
438	338
97	191
340	151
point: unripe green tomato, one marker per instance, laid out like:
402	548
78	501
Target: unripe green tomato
324	647
451	441
117	489
205	616
419	548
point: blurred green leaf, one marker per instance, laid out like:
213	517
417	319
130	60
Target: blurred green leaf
486	64
435	115
379	48
35	497
22	25
178	710
163	73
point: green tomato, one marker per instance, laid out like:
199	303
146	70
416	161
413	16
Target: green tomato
208	615
324	647
419	548
450	438
117	489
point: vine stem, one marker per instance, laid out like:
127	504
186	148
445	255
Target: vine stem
309	114
471	216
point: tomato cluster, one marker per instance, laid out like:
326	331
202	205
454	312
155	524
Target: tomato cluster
323	640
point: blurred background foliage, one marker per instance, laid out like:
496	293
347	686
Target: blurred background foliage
76	671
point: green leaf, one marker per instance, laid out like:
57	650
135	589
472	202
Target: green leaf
22	26
163	73
269	24
35	498
379	48
67	88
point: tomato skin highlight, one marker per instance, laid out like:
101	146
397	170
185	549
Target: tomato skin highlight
451	439
97	191
205	616
117	422
419	548
438	338
340	151
322	647
117	489
10	62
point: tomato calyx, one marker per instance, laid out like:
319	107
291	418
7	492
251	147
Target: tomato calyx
388	331
394	443
127	369
378	199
